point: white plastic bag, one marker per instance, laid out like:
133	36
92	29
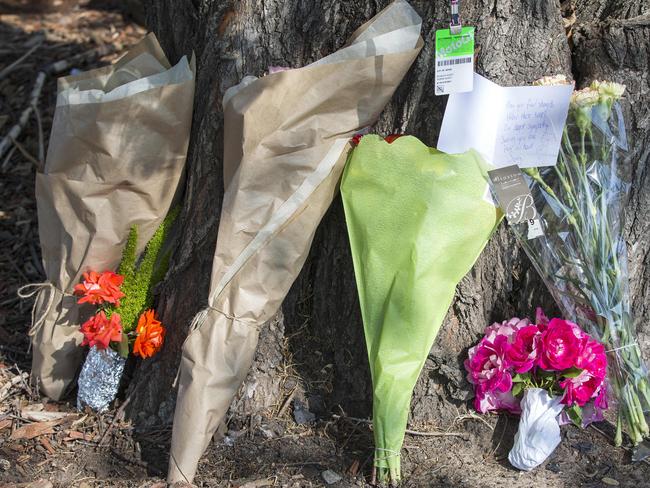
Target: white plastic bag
539	431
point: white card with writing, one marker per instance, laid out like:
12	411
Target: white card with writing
519	125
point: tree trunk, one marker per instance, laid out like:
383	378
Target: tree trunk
317	343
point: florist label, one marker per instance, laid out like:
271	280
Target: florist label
454	61
513	195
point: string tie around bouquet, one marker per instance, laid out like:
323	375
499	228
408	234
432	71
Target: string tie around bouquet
199	320
627	346
390	453
35	289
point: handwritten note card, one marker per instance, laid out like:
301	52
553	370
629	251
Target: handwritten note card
508	125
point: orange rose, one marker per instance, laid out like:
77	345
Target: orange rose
151	335
99	331
99	288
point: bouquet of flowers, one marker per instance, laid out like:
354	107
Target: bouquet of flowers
115	159
553	365
582	256
282	164
406	208
124	322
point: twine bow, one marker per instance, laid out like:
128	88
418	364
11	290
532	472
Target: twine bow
31	289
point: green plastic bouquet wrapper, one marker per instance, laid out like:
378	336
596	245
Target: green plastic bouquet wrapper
417	221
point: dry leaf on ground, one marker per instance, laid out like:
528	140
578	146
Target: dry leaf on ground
43	416
74	435
29	431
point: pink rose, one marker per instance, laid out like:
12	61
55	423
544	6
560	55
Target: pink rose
560	345
507	328
496	400
522	355
488	367
590	383
592	358
581	389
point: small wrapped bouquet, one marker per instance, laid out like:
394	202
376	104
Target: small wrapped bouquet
582	255
551	372
124	322
406	208
282	164
115	159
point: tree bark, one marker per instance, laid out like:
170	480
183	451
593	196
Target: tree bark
316	345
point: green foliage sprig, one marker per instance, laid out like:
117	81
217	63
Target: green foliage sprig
141	276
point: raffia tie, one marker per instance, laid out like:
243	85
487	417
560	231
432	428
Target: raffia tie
31	289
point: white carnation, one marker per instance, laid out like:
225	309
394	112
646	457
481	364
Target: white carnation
552	80
608	89
587	97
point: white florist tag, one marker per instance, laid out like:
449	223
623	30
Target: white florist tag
454	61
535	229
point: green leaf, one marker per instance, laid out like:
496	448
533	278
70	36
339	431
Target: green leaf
521	378
123	346
545	374
517	389
572	373
575	414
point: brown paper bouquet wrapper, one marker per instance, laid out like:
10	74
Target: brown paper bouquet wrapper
115	159
286	140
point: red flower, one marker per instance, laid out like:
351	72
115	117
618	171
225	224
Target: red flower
99	288
488	368
392	137
561	343
592	358
581	389
523	352
99	331
356	139
151	335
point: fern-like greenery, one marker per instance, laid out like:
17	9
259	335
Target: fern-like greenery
129	255
140	278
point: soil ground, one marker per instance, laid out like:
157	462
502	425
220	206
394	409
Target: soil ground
48	444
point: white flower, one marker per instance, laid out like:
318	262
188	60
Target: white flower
552	80
587	97
609	89
582	102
